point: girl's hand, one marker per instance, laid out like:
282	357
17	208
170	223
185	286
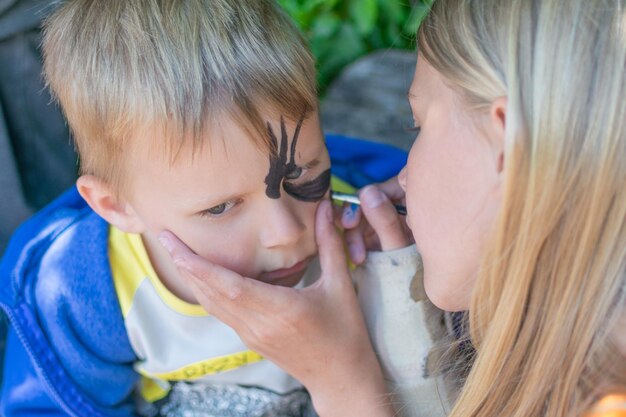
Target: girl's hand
316	334
375	225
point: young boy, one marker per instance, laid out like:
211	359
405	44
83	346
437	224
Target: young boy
198	117
192	116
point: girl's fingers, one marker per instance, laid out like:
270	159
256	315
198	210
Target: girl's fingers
332	258
356	245
387	231
219	287
392	189
350	216
383	218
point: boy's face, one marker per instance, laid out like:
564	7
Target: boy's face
234	203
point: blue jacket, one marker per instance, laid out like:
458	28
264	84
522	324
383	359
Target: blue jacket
67	351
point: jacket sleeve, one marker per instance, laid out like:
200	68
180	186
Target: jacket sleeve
22	391
68	352
398	319
25	391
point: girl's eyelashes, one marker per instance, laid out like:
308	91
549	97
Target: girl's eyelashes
416	130
220	209
412	126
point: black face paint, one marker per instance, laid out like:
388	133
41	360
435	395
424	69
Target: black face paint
279	167
311	190
281	170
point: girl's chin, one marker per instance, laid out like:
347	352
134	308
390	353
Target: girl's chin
443	297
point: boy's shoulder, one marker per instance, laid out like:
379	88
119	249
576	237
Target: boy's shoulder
57	263
57	291
61	242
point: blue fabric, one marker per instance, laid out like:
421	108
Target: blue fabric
68	353
360	162
28	396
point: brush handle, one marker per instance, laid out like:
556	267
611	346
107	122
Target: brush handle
354	199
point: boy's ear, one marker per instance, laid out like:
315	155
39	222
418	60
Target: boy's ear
101	198
497	128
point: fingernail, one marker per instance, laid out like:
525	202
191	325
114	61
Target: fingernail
371	196
181	263
166	242
349	213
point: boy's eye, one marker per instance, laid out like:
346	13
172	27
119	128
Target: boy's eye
219	209
294	173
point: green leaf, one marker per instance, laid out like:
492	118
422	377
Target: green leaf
290	6
416	18
312	8
346	47
325	26
364	13
392	10
340	31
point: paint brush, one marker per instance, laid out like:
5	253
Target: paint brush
354	199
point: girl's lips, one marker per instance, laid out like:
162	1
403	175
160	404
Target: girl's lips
282	276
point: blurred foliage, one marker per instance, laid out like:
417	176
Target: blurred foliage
340	31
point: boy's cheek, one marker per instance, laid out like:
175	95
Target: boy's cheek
241	252
214	246
234	260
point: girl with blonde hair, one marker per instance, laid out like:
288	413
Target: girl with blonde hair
516	197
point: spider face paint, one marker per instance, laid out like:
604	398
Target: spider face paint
283	171
309	191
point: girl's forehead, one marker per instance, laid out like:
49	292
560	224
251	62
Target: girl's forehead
430	89
425	80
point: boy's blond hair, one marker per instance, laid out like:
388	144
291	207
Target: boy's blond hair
120	66
552	290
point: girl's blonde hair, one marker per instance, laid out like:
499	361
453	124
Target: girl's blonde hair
551	289
118	66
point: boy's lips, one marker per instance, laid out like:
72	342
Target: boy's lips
286	276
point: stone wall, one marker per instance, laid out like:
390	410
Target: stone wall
369	99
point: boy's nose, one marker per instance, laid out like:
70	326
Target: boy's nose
280	225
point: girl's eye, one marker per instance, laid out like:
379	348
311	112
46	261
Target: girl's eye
294	173
415	129
219	209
